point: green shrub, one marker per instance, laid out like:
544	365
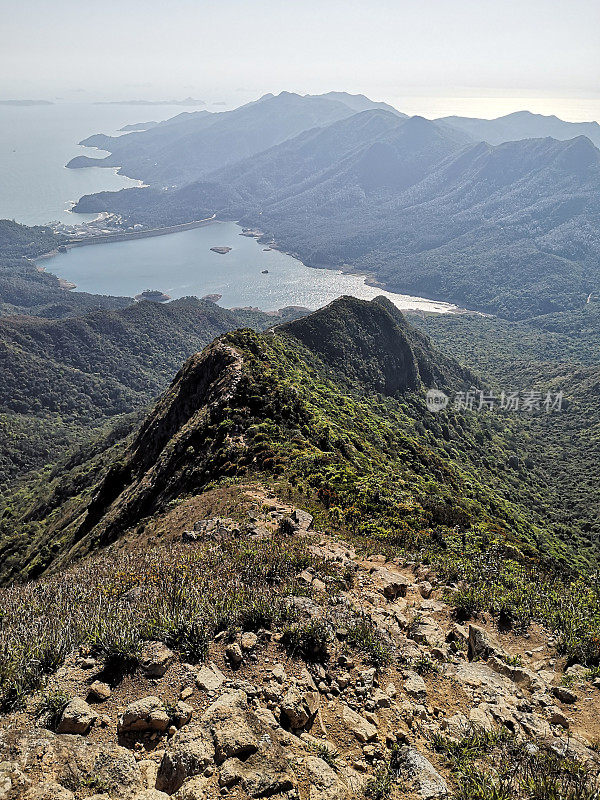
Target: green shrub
51	706
501	766
379	787
309	641
190	636
365	637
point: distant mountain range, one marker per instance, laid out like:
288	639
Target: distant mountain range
522	125
510	228
192	144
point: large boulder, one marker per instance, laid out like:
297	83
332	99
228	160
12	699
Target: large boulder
147	714
428	783
393	584
191	752
77	718
236	730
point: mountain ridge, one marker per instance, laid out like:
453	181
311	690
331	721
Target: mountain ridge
522	125
414	204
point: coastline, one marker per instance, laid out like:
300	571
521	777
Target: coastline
369	278
260	237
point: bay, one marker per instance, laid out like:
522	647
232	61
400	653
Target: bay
182	264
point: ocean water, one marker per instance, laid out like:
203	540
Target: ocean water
37	141
35	188
182	264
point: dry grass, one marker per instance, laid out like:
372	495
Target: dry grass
182	594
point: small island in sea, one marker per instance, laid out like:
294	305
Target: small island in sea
26	103
153	294
213	298
222	250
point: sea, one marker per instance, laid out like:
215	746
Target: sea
36	188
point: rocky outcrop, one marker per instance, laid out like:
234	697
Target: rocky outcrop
191	752
77	718
273	725
146	714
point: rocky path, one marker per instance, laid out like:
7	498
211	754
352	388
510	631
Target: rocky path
253	721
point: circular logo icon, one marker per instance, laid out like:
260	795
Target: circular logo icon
436	400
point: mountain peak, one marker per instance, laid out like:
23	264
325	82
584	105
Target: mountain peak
370	342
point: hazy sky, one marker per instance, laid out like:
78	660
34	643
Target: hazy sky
235	50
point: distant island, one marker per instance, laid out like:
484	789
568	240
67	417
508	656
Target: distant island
222	250
154	295
187	101
26	103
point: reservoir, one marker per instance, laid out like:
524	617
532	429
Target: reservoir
182	264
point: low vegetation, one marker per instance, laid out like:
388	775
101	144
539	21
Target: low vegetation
498	765
111	604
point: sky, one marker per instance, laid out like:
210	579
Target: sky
424	56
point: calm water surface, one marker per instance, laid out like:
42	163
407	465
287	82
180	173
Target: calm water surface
183	264
35	188
37	141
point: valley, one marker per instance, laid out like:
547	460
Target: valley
240	556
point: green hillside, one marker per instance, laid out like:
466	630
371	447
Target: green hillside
63	378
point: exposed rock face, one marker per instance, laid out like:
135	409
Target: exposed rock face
482	644
68	759
236	730
191	752
150	475
147	714
263	774
77	718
